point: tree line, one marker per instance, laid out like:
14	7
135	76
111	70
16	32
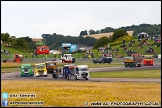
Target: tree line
55	40
148	28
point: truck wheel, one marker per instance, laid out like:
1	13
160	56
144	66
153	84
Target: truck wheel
60	70
54	76
75	77
4	61
67	77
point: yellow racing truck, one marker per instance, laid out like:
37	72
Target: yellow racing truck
40	70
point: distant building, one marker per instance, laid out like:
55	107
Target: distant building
37	39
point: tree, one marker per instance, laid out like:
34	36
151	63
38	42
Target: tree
27	38
101	42
97	32
92	32
20	43
107	29
119	33
83	33
4	36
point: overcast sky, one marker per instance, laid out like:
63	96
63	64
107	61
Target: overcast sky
34	18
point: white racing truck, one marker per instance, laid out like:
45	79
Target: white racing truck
67	58
82	72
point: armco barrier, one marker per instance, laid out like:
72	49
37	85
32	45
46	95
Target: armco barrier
77	59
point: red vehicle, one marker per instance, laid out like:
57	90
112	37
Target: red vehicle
148	60
18	58
42	50
137	57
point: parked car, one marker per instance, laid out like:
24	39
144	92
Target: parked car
26	70
103	60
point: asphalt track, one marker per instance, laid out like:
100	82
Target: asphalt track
16	75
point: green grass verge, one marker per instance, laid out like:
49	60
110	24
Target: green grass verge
127	74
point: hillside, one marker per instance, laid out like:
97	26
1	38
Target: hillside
113	45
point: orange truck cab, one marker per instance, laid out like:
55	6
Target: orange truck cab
148	60
18	58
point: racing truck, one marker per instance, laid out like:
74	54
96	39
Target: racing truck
131	62
18	58
148	60
26	70
51	67
76	72
40	70
67	58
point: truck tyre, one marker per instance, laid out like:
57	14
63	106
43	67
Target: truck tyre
94	62
60	70
76	77
67	77
54	76
4	61
56	70
103	62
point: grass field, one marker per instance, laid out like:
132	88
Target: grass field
76	93
128	74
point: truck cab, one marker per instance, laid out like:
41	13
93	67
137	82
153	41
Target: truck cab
18	58
51	67
132	61
26	70
67	58
148	60
82	72
40	69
